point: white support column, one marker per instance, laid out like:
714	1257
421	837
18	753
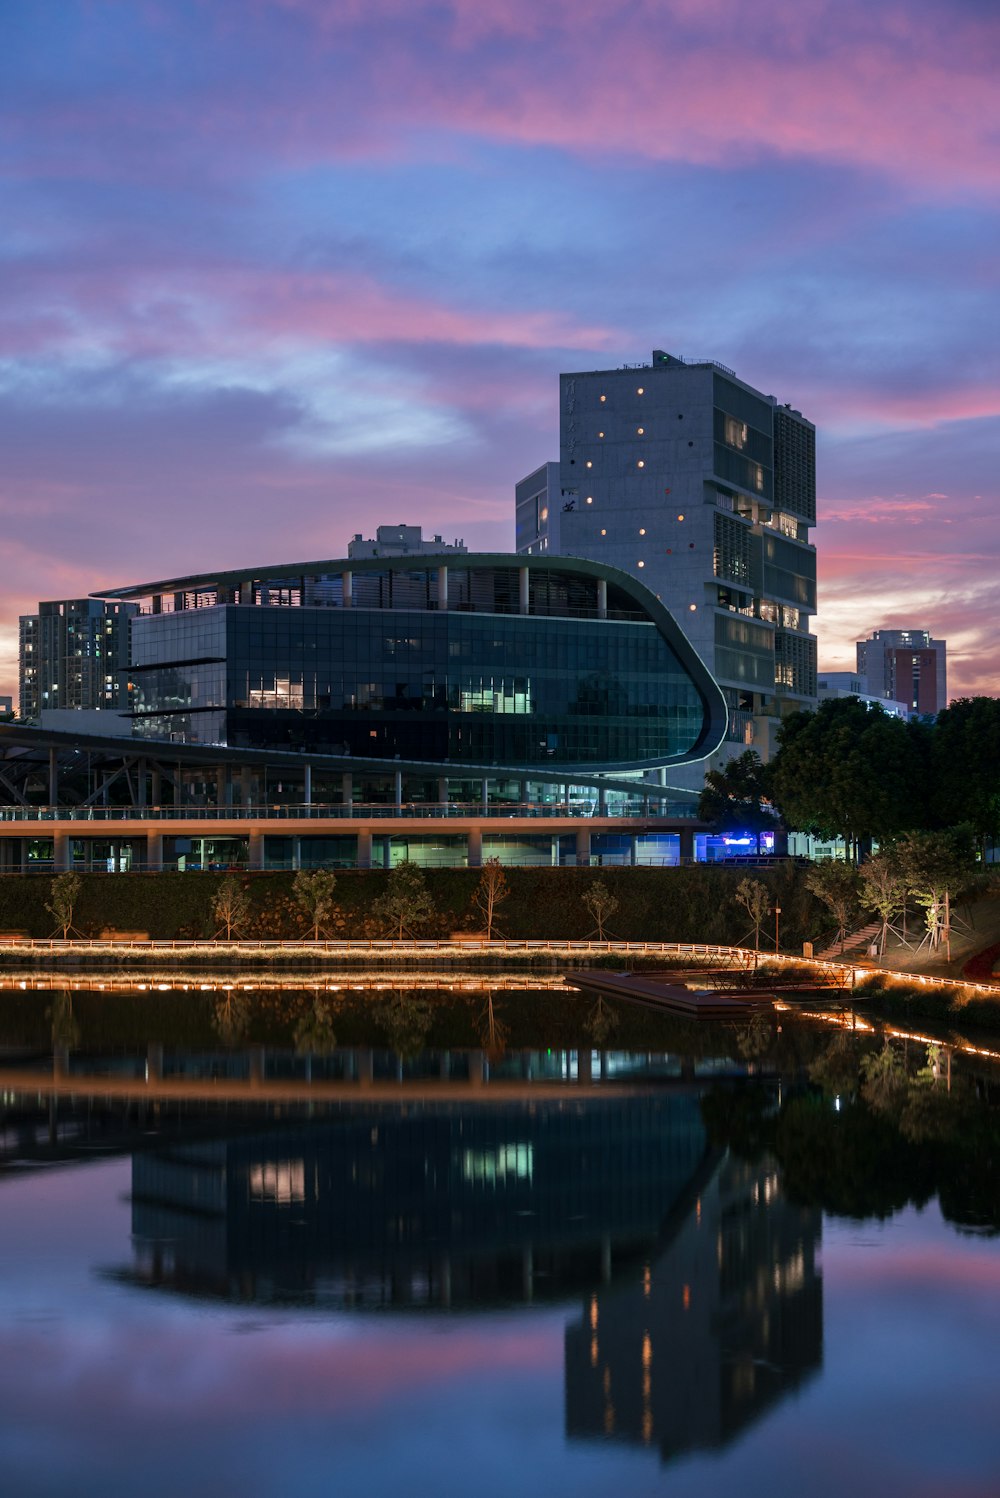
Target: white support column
154	852
475	848
364	848
256	851
583	847
61	852
524	591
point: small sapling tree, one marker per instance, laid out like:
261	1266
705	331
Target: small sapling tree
313	891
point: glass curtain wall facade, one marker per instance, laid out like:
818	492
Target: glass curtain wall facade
552	666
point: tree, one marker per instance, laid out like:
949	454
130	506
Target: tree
836	884
883	888
965	754
601	904
230	907
65	890
737	797
850	770
756	901
314	894
406	902
937	867
490	892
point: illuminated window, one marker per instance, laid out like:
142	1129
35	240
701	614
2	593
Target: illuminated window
641	564
680	517
603	399
736	432
640	391
758	478
692	607
600	434
589	463
590	499
640	464
640	431
604	533
642	530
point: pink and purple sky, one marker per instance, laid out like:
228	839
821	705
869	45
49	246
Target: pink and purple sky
276	271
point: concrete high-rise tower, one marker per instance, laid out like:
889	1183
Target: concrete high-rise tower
705	489
906	664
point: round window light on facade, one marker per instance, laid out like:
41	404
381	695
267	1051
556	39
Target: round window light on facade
640	564
692	607
590	499
680	517
640	431
589	463
642	530
640	464
600	434
604	533
640	391
543	514
603	399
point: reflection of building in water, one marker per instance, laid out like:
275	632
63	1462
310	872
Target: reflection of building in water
421	1204
721	1324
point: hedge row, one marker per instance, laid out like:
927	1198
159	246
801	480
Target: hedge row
684	904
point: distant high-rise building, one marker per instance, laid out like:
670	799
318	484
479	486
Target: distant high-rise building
74	653
906	665
399	541
704	489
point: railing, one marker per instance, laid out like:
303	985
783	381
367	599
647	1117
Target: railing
339	811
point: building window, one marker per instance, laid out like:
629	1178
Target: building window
736	433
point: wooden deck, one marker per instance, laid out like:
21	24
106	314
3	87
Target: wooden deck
664	993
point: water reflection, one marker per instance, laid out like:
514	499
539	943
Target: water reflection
417	1205
724	1320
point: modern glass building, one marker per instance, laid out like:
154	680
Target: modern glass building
461	663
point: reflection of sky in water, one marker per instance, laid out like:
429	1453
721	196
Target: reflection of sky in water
107	1389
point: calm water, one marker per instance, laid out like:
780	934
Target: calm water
562	1270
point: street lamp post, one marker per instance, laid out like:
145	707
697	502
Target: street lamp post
777	917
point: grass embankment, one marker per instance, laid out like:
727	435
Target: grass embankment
906	998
